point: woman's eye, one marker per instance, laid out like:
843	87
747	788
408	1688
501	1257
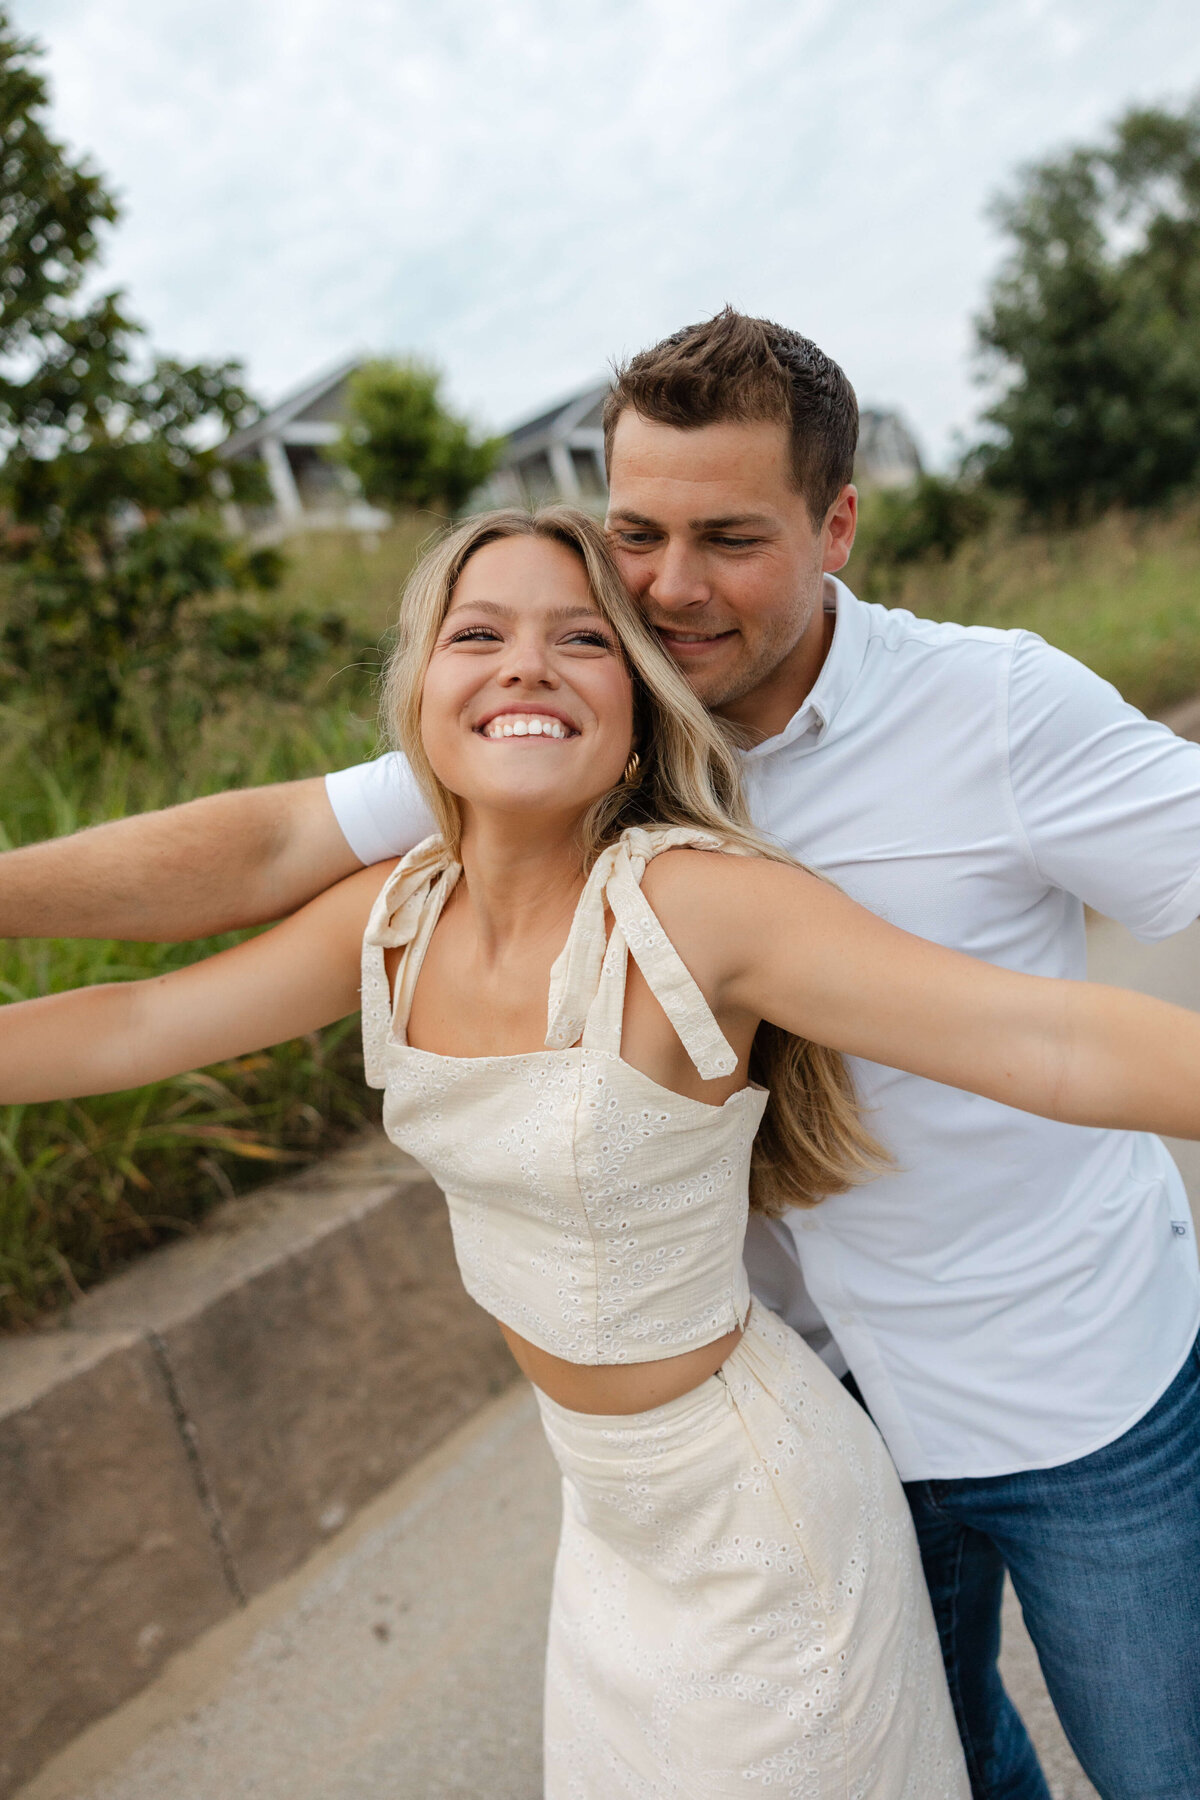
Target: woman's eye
475	634
596	638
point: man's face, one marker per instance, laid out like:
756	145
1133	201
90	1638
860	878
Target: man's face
719	548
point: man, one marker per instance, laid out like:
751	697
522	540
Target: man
1019	1302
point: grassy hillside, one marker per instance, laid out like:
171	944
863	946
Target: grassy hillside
84	1185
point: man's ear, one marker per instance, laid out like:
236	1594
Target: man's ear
837	533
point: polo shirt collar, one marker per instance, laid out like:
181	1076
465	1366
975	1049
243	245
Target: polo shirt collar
809	724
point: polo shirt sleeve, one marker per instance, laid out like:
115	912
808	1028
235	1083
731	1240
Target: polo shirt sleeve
1108	801
379	807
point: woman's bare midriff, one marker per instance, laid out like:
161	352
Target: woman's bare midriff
618	1387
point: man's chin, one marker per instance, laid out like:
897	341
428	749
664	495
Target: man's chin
718	687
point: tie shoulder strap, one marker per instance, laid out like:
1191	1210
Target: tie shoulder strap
587	986
409	899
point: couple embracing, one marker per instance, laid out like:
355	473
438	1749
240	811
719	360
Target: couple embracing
644	1052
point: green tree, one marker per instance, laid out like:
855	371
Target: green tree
403	443
926	522
1093	324
111	544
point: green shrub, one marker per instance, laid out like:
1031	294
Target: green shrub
85	1185
404	445
927	522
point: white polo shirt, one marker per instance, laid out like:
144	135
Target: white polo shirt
1018	1293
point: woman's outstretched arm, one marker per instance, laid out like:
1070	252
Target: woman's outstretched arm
303	974
786	947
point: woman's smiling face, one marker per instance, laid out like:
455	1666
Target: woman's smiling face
527	703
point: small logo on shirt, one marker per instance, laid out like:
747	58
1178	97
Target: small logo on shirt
1179	1227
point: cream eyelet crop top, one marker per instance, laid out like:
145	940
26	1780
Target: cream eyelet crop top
597	1214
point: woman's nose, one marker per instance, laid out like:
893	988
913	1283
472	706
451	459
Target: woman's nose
527	664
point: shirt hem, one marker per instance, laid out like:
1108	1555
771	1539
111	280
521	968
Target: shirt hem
1061	1462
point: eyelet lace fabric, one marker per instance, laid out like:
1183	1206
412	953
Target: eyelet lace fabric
738	1602
738	1599
598	1214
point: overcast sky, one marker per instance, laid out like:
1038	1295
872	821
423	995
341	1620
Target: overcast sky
521	189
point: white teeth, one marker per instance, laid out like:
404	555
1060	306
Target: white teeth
531	725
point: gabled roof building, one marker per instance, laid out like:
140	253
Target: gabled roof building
558	454
310	492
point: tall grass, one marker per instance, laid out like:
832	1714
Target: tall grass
85	1185
1122	595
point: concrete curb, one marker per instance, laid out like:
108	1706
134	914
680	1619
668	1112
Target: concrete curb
199	1424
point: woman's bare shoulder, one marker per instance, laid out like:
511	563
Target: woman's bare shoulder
712	904
684	870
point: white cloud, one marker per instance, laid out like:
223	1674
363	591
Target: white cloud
521	189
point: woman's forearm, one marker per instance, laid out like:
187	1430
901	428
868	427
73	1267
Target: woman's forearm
66	1045
217	864
1126	1061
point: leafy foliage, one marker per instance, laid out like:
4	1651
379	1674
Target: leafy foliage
50	211
112	552
1093	323
87	1184
924	523
403	443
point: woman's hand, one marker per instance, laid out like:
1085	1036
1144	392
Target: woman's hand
302	974
767	941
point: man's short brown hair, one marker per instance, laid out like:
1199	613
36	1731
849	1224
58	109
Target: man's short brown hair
735	368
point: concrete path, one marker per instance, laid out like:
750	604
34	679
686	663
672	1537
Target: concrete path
404	1661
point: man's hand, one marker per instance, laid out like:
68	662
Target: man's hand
217	864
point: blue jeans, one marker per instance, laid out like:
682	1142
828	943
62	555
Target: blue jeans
1104	1555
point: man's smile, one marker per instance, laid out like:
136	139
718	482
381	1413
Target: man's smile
681	643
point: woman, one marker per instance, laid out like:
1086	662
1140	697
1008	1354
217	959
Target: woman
738	1601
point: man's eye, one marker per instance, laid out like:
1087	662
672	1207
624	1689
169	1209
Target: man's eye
735	543
636	540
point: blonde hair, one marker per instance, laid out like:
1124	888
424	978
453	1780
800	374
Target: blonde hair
812	1141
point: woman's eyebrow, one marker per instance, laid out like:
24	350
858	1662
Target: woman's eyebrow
558	615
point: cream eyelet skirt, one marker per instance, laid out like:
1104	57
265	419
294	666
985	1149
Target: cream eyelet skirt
738	1599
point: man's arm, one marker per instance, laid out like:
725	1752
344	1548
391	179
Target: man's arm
216	864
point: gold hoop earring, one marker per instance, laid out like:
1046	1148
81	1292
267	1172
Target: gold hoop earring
630	775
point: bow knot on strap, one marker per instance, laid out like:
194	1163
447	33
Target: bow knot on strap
616	873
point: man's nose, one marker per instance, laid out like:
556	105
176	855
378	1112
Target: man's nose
678	580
